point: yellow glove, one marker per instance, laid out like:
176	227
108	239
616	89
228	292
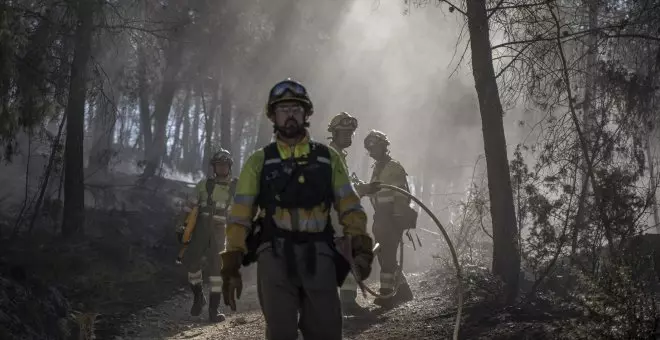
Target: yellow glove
363	255
232	284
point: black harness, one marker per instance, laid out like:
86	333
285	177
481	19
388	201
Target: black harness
293	183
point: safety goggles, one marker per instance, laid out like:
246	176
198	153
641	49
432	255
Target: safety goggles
221	160
290	110
282	88
372	142
348	122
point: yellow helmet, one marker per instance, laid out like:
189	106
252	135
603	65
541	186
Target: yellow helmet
343	121
374	138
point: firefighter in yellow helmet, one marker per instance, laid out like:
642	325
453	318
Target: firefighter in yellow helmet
212	199
391	217
342	128
294	182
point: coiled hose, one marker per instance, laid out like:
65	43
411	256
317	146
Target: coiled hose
459	286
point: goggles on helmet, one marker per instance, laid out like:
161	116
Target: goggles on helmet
348	122
283	87
224	158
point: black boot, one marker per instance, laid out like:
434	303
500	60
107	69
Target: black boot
214	303
348	304
198	300
386	302
403	294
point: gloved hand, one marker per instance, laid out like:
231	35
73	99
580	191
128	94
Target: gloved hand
179	233
367	188
363	256
232	284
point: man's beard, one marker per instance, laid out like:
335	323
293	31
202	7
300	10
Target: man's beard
291	130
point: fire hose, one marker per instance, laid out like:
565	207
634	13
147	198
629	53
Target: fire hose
459	288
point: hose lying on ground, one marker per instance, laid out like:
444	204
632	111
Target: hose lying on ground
459	287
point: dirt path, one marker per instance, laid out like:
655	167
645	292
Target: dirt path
423	318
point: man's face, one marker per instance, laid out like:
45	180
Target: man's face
289	119
377	152
221	169
343	138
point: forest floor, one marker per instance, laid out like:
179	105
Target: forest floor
430	315
122	272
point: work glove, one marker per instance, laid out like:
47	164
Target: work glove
232	284
367	188
363	255
179	233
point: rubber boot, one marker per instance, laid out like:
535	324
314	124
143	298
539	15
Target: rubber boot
348	304
403	294
384	302
198	300
214	303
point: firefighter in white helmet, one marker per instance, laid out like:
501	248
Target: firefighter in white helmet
392	216
342	128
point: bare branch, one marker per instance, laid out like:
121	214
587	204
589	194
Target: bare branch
454	7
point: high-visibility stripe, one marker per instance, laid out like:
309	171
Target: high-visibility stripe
323	160
344	190
195	278
216	284
272	161
244	199
350	284
387	280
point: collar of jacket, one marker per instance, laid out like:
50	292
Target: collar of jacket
298	150
343	152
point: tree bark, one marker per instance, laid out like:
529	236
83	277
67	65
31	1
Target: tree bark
175	151
143	98
102	134
74	186
225	118
193	160
506	250
162	109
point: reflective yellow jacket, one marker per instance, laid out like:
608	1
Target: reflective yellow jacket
221	197
390	172
241	213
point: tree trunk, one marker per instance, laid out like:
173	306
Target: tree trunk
506	251
210	113
194	157
162	109
185	141
74	186
240	120
653	181
175	152
225	118
143	94
103	126
589	125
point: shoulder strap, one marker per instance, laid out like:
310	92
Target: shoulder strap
232	189
232	186
271	153
210	185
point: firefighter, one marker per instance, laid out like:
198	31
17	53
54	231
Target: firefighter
391	211
342	128
294	182
213	197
